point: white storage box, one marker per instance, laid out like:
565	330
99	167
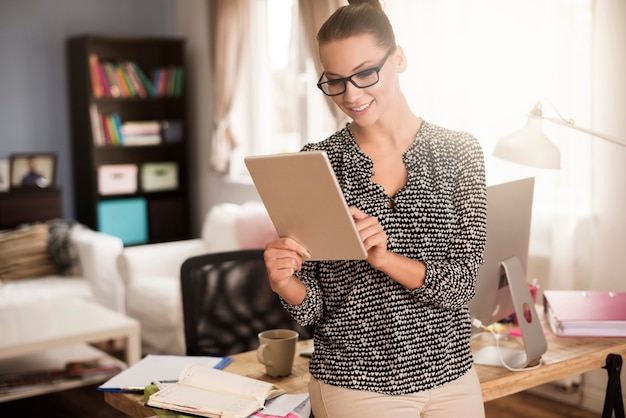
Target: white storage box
159	176
117	179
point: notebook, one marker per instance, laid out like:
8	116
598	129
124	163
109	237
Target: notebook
576	313
304	201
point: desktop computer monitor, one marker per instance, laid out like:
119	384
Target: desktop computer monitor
501	286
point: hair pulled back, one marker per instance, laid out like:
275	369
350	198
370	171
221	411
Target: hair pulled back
357	18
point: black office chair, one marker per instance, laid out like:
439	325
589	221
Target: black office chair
227	301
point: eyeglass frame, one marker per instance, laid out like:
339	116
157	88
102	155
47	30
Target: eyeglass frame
345	80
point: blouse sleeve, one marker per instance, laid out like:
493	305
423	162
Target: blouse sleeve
450	283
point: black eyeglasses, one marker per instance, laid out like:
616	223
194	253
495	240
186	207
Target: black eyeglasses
362	79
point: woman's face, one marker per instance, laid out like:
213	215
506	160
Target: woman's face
346	57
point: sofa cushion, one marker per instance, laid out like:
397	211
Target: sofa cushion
254	227
219	230
24	253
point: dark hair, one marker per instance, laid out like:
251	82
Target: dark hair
357	18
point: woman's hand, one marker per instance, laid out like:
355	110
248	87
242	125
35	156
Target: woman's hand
373	236
283	257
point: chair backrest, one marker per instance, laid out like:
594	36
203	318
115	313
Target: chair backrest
227	301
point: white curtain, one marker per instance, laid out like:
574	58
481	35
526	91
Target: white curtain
480	66
228	24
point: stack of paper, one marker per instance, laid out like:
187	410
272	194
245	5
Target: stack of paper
156	367
574	313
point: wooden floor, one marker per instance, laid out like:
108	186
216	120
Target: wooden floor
526	405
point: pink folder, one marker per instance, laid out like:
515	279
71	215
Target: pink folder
578	313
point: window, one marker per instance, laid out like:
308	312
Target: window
278	107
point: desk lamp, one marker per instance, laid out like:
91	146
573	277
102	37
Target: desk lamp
530	146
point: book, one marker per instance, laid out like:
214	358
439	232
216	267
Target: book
575	313
144	79
102	77
141	127
212	393
161	367
96	125
96	85
134	79
114	87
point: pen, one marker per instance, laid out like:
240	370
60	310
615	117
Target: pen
133	388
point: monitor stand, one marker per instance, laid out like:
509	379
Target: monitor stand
530	326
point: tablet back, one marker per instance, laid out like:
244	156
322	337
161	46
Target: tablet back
304	201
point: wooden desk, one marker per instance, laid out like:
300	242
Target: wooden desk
565	357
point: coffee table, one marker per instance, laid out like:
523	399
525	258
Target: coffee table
41	334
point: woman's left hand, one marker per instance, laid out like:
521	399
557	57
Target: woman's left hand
373	236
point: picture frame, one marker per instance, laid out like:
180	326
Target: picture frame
33	170
5	183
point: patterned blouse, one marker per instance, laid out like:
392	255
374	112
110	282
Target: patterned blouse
371	333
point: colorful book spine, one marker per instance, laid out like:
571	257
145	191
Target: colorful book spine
144	79
108	139
160	81
112	78
121	82
138	86
178	84
117	123
96	125
106	87
96	85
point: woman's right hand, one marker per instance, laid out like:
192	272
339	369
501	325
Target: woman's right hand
283	257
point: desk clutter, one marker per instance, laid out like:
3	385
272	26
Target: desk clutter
196	385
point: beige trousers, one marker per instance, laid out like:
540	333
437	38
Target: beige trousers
459	398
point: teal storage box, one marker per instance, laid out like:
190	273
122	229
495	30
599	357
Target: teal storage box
124	218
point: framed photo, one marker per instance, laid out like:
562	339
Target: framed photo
33	171
5	184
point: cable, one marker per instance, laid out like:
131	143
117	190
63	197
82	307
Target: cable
478	324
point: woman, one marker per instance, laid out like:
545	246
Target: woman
391	332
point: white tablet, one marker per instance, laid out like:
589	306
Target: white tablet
304	201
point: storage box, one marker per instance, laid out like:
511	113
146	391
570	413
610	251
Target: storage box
159	176
124	218
117	179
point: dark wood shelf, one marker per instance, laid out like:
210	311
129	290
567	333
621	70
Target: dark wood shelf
166	212
19	207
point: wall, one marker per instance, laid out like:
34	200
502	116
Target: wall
34	112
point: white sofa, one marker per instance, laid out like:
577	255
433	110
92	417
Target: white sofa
93	276
151	272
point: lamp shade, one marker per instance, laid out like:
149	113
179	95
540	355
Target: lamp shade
529	146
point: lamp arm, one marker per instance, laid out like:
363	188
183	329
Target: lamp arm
570	124
537	111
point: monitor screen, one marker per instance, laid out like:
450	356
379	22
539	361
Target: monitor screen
509	207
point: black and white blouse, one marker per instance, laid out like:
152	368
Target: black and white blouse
371	333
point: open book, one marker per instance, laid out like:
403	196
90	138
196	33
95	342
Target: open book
208	392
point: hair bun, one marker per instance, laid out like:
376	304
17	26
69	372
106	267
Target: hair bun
374	3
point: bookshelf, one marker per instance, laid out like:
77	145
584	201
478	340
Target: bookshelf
129	141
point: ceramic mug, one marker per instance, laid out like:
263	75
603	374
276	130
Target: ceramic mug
277	348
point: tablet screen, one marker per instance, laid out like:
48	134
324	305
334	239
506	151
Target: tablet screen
304	201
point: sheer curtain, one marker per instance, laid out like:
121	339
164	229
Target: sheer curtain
228	25
313	14
480	66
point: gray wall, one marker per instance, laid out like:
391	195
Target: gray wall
34	109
